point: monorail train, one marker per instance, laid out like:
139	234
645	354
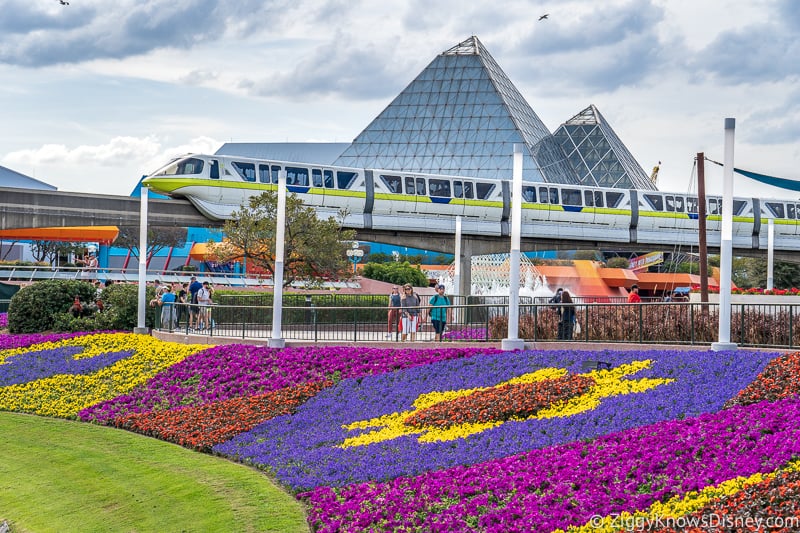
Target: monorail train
390	200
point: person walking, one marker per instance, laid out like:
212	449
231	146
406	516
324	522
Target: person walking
168	312
204	302
394	312
182	298
194	309
556	301
633	296
567	323
409	312
440	307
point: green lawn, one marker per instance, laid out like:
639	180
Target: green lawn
59	475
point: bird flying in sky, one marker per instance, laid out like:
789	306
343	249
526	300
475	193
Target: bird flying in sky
544	16
63	2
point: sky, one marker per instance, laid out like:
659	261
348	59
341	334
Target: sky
95	94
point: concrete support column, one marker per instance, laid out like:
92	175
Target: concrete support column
465	280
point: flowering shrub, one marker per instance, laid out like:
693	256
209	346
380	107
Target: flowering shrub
3	320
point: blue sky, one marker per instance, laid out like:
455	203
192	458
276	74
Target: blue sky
96	93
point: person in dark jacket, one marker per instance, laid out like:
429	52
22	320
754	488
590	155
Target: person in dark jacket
567	323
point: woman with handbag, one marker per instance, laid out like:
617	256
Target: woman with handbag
409	312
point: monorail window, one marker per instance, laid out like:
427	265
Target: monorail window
529	194
613	199
275	170
263	173
468	190
316	177
421	187
593	198
247	171
345	179
554	195
328	175
691	204
458	189
393	183
543	195
776	209
439	187
715	206
669	203
214	172
191	165
738	207
410	187
679	206
656	201
297	176
571	197
790	212
484	190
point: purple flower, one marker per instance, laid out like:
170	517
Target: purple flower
302	448
31	366
231	371
565	485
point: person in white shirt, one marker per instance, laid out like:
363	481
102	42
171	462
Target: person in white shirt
204	301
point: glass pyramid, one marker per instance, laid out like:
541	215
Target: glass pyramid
596	155
461	115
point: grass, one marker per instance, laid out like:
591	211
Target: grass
58	475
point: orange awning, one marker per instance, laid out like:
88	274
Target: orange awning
200	252
101	234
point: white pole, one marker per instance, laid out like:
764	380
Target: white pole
513	342
142	295
770	253
457	269
277	341
726	244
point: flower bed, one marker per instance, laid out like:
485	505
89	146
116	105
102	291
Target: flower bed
450	439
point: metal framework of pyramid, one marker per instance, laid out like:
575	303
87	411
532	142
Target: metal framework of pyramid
461	115
596	155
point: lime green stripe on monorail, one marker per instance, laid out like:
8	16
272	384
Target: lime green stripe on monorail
659	214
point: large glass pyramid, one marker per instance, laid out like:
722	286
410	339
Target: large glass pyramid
596	155
462	116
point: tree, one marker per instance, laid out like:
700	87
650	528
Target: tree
158	238
6	249
313	248
397	273
49	251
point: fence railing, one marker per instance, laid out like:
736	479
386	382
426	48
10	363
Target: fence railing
673	323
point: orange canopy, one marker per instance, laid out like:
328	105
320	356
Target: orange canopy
101	234
200	252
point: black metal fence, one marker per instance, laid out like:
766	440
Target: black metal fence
673	323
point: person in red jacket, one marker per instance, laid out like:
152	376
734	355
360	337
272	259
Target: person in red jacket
633	296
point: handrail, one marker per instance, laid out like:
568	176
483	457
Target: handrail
32	273
691	323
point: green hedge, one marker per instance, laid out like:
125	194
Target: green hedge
33	309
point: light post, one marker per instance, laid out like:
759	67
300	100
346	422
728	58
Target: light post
355	255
